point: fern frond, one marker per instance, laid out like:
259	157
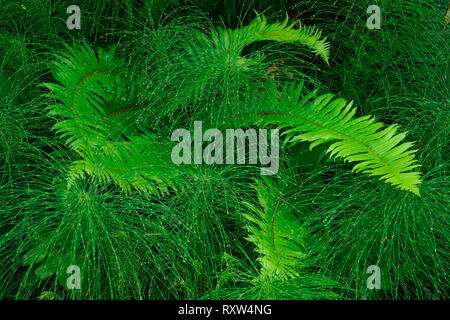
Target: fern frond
327	119
99	118
276	232
260	30
142	164
214	67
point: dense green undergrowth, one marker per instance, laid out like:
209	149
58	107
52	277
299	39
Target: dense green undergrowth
86	177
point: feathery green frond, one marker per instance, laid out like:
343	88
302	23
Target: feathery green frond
100	120
276	232
229	40
214	66
327	119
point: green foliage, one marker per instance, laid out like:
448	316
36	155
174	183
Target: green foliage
403	234
325	118
100	113
276	232
110	200
229	41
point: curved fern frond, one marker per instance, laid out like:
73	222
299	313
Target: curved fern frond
213	63
99	117
276	232
259	30
327	119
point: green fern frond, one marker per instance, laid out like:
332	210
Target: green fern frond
327	119
276	232
260	30
142	163
215	68
99	117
